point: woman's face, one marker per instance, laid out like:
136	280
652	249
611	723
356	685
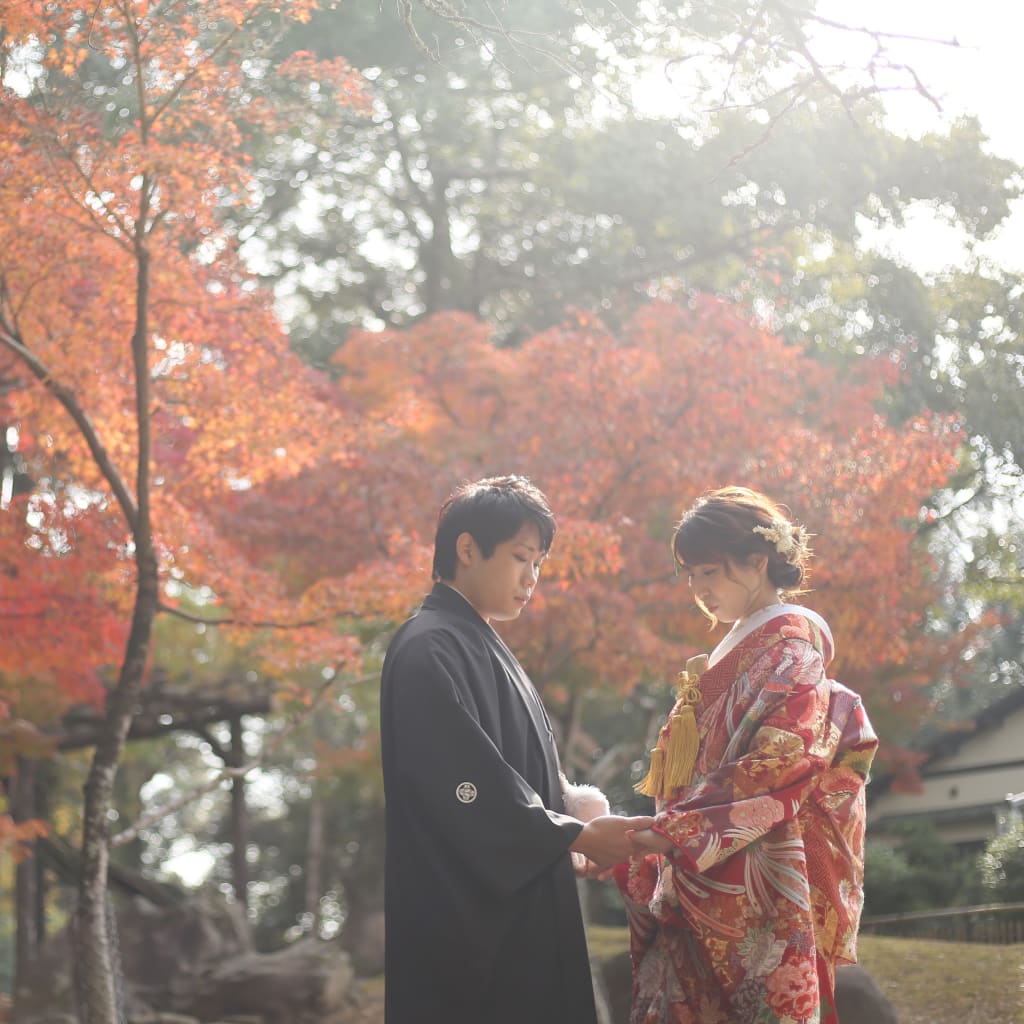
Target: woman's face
730	591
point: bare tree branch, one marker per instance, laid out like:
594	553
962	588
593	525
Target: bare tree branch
67	398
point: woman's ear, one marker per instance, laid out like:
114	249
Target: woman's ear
758	562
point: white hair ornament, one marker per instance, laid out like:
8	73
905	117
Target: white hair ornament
783	535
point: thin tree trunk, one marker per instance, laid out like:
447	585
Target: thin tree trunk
315	859
96	954
239	820
26	875
572	717
43	808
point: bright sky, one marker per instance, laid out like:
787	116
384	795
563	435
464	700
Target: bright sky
982	76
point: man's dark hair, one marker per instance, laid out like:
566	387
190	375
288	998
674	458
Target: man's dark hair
491	511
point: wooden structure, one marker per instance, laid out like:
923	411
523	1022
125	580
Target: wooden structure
972	781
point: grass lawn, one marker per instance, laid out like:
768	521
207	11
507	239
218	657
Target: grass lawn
932	982
928	982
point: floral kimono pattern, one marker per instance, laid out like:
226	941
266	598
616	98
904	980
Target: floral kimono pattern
746	919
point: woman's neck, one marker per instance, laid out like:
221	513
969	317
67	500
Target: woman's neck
768	599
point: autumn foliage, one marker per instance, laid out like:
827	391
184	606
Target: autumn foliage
299	506
623	432
143	375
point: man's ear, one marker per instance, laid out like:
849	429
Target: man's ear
466	549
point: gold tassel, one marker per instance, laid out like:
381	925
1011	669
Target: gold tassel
674	758
681	749
655	777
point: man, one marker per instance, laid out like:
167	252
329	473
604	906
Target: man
483	924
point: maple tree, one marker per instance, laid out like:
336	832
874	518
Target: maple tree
496	188
145	376
490	186
623	430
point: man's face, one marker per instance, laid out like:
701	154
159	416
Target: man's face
500	586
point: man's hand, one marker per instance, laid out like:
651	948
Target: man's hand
606	840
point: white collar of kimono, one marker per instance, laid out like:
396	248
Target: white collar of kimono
759	618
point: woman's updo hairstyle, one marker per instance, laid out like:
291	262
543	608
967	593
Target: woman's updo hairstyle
732	523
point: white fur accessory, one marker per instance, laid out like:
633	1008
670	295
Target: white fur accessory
584	802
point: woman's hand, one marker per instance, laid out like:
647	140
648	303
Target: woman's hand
648	841
607	840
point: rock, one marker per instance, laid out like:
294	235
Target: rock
193	962
859	1000
163	949
305	981
363	938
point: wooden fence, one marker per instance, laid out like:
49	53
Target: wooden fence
994	923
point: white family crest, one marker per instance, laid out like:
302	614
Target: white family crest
465	792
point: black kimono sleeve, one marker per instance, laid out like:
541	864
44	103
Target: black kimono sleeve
489	819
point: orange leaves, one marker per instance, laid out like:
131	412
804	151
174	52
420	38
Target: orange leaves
348	86
18	17
60	627
16	837
863	493
386	589
113	183
622	432
166	149
442	376
583	550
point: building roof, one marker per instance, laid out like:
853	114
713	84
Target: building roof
946	744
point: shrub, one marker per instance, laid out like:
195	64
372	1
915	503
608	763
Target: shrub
916	871
1002	866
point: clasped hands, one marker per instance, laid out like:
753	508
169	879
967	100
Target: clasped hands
611	839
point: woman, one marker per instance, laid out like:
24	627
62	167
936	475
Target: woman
747	892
